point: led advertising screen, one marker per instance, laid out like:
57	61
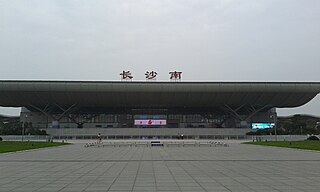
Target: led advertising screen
150	122
262	125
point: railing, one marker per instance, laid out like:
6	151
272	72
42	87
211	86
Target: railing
157	143
137	137
279	137
25	137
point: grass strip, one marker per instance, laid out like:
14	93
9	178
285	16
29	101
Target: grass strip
309	145
11	146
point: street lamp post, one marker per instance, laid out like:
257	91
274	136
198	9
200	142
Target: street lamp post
275	125
23	127
274	116
22	131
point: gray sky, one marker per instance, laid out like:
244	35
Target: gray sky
208	40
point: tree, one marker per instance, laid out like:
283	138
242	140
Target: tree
10	128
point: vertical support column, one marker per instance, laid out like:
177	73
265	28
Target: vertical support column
273	116
275	125
24	120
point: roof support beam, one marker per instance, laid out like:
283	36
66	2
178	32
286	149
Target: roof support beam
252	111
65	111
233	112
46	110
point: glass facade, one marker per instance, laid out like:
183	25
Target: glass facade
127	120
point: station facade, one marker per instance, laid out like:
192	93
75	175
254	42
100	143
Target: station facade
82	109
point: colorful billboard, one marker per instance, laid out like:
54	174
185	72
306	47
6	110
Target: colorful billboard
150	122
262	125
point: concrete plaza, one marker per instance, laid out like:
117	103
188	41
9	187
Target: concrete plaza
236	168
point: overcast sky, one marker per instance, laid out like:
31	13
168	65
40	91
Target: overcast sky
208	40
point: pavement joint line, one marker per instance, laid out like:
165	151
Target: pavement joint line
190	175
166	160
173	177
136	176
211	177
66	186
116	178
153	170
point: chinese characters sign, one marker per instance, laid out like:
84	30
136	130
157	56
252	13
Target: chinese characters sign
125	75
175	75
151	75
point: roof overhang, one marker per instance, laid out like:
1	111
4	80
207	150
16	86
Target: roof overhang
123	94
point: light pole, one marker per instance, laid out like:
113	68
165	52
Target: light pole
23	127
274	116
275	124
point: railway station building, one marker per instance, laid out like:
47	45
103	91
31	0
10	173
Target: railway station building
138	110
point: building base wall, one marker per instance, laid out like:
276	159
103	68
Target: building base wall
140	133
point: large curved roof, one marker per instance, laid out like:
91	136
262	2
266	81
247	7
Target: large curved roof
121	94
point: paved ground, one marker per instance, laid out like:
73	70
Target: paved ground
236	168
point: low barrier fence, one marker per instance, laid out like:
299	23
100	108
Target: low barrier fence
186	137
25	137
279	137
157	143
